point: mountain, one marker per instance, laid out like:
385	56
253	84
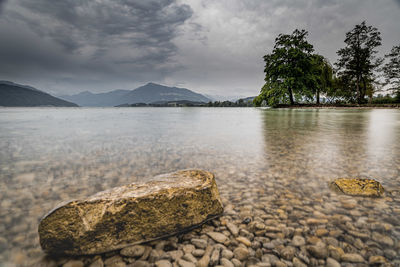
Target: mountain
146	94
89	99
152	92
16	95
232	98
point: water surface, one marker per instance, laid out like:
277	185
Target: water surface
49	155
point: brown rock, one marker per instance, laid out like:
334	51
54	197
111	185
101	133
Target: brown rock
358	187
131	214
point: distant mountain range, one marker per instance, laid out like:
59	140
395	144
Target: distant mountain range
17	95
147	94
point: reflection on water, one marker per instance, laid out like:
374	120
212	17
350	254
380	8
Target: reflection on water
49	155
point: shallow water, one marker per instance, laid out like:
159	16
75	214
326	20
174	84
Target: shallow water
280	159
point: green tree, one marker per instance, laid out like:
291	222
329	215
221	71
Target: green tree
357	60
287	69
321	78
391	70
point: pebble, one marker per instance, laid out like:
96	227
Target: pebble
288	253
141	263
199	243
226	263
332	263
241	253
244	241
298	263
298	241
183	263
377	260
198	252
319	250
97	263
218	237
214	259
73	263
352	257
133	251
232	228
163	263
226	253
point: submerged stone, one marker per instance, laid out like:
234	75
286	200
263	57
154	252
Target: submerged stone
131	214
358	187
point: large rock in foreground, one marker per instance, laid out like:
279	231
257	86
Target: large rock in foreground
131	214
358	187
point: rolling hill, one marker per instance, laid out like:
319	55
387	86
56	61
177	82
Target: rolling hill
147	94
16	95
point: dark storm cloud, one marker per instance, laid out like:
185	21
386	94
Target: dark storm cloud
129	40
210	46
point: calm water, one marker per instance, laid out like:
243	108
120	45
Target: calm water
49	155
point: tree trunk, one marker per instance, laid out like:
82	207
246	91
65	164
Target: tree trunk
358	90
291	96
365	89
317	96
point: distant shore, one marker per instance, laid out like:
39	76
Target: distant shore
340	106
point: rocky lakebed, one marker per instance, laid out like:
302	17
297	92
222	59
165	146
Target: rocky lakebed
273	170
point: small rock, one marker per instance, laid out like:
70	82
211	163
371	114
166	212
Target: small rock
298	263
232	228
97	263
246	220
189	257
133	251
298	241
199	243
188	248
214	259
226	263
236	263
332	263
377	260
163	263
288	253
218	237
318	251
183	263
175	254
321	232
244	240
352	257
141	263
226	253
73	263
198	252
205	260
241	253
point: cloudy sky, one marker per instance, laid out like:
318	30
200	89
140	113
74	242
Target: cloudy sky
210	46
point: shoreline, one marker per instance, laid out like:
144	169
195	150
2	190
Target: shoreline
352	106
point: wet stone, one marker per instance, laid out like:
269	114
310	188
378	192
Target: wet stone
163	263
241	253
218	237
352	257
118	211
133	251
199	243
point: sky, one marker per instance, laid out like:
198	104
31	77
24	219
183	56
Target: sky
209	46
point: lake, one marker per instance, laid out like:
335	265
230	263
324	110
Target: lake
271	165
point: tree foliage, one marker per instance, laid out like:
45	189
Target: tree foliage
287	69
357	60
391	70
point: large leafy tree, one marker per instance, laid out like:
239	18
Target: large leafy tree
287	69
357	60
391	70
321	78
